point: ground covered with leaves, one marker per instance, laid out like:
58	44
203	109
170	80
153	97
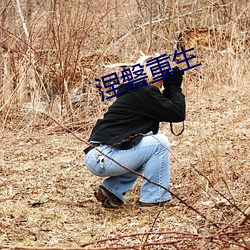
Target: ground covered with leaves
46	192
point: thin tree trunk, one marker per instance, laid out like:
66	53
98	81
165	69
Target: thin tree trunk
171	19
28	90
28	14
150	9
20	13
6	67
203	22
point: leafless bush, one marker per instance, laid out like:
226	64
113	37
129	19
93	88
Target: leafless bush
51	52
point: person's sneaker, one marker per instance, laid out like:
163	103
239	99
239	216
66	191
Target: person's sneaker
107	199
151	206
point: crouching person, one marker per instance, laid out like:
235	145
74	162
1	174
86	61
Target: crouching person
128	134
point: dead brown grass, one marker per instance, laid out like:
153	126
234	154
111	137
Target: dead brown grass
47	199
46	194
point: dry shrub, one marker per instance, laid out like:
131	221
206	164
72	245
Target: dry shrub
69	42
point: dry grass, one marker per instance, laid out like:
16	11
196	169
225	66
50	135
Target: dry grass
46	194
47	199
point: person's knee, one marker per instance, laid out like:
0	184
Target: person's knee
163	140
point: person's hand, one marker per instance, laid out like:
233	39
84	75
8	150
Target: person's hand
172	83
174	78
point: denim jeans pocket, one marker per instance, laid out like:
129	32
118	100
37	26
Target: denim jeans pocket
95	160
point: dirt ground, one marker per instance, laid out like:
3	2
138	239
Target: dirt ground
46	193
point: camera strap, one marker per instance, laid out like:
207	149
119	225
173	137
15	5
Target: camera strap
172	130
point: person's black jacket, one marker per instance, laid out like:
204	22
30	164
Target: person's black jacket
136	113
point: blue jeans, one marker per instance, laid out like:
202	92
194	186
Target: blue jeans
149	157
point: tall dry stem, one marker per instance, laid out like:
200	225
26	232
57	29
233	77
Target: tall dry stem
150	10
171	19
